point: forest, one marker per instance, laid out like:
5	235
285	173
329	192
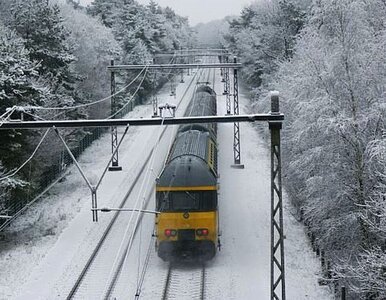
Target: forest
327	59
53	57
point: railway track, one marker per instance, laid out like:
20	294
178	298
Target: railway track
99	263
185	282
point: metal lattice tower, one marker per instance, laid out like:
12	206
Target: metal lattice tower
227	87
277	236
236	111
114	131
220	58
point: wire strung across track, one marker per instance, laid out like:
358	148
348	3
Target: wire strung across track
109	227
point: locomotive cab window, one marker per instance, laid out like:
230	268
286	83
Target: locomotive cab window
182	201
187	201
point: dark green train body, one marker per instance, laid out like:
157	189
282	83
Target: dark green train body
186	190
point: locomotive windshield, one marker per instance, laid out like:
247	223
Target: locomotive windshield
187	201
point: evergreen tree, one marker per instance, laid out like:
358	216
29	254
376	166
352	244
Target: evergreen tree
93	46
41	26
20	85
265	35
333	99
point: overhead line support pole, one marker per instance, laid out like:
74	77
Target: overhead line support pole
227	90
220	59
92	188
114	131
277	235
154	97
236	125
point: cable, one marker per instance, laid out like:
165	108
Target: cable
131	98
92	103
114	273
34	116
118	267
8	113
32	155
141	276
145	183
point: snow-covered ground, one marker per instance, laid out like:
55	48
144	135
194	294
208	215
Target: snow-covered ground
45	249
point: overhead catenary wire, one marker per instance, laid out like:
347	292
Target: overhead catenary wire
131	98
27	161
145	68
91	103
114	274
125	245
141	276
144	184
9	112
5	116
13	173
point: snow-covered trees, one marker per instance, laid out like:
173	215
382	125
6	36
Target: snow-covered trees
142	31
94	46
19	85
41	27
264	35
332	83
151	27
334	91
19	77
53	54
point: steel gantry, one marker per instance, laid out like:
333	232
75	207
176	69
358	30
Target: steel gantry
274	119
116	68
226	66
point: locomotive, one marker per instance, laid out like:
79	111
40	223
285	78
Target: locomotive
187	225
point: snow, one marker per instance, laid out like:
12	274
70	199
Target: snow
44	250
274	93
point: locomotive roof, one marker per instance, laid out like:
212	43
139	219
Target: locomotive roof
188	164
203	102
191	142
187	171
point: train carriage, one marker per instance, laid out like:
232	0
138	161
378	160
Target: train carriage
186	190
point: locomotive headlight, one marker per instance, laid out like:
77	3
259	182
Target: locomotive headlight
202	232
170	232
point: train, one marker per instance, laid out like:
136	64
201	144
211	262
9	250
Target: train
187	225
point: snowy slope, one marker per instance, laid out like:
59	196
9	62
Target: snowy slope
45	250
